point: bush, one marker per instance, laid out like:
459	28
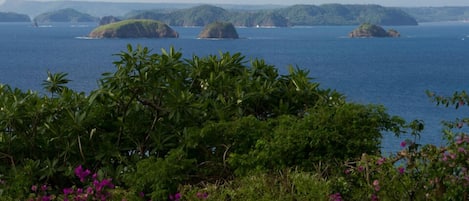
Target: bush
160	121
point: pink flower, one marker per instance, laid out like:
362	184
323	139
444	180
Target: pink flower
381	161
347	171
201	195
44	187
461	150
444	158
68	191
175	197
82	174
34	188
374	197
376	185
335	197
401	170
46	198
403	143
452	155
89	190
360	168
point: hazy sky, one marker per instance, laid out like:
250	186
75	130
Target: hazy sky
403	3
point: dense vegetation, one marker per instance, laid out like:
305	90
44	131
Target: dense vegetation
134	29
432	14
13	17
162	127
337	14
64	15
328	14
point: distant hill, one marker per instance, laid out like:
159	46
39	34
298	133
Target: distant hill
305	15
99	9
337	14
432	14
64	15
13	17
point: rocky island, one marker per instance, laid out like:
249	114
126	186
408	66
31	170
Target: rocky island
219	30
134	29
367	30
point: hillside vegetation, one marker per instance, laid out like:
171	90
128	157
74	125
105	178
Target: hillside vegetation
134	29
304	15
64	15
432	14
13	17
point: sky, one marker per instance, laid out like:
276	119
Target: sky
400	3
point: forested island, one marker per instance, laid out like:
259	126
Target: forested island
298	15
64	15
13	17
432	14
134	29
318	12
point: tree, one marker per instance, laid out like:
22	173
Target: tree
55	83
160	120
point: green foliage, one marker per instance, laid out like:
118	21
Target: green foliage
64	15
438	14
303	15
314	139
336	14
161	176
55	83
417	172
282	185
133	27
160	121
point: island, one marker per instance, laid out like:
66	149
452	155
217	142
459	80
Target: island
366	30
134	28
108	20
13	17
64	15
219	30
297	15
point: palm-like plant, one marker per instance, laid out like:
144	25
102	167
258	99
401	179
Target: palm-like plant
55	82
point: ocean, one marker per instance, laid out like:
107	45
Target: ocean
394	72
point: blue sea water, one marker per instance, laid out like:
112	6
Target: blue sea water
394	72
